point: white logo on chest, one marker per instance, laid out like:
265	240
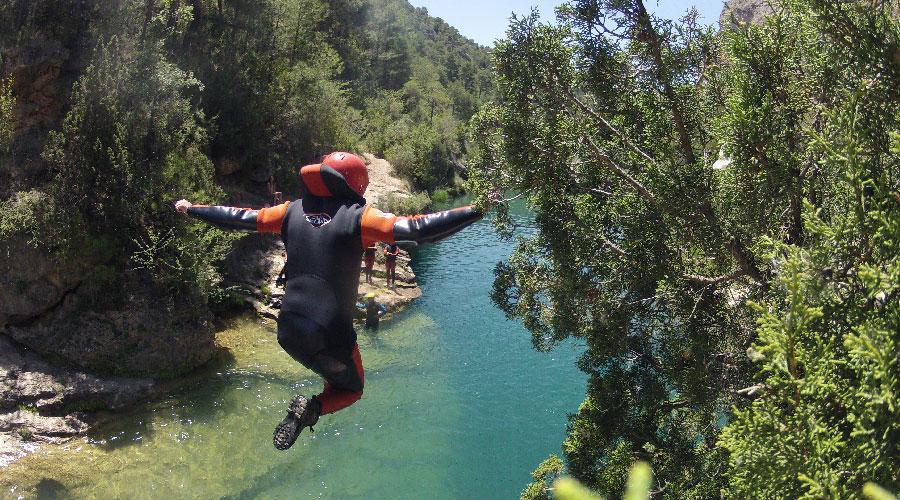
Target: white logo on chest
318	220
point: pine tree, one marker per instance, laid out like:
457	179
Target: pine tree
679	175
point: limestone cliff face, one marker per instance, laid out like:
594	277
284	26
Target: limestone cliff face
151	336
44	65
745	11
30	284
53	309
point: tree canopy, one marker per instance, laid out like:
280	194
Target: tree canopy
718	216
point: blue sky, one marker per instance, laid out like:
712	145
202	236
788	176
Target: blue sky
485	20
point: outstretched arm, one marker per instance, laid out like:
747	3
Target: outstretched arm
429	228
264	220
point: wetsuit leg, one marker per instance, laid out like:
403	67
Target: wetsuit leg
345	380
300	337
340	366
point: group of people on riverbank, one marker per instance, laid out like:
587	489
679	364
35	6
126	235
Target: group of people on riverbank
375	310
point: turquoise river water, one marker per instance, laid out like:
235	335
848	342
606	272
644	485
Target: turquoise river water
457	405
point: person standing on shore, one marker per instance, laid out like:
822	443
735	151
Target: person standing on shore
369	261
390	264
325	232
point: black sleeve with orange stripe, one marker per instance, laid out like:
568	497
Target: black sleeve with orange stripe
429	228
264	220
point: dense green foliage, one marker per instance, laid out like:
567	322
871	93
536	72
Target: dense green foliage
718	217
409	205
433	83
128	106
130	138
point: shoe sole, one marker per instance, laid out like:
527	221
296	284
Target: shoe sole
283	437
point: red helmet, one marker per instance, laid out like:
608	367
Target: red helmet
352	168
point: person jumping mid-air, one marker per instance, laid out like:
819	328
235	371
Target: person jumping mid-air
325	232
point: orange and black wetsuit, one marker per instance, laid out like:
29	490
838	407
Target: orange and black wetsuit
325	236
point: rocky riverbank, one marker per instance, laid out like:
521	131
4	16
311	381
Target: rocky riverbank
264	295
44	402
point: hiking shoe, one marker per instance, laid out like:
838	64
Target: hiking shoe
303	412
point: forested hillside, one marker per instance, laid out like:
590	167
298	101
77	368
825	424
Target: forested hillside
719	224
111	111
717	210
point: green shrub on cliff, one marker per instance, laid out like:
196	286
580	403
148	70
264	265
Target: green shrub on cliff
424	156
270	83
387	123
7	102
405	205
128	148
24	214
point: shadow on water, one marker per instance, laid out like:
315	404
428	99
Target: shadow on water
50	489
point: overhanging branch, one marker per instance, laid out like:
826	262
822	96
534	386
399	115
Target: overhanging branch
618	170
597	116
717	280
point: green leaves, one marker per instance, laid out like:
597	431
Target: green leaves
7	105
731	314
640	480
828	419
567	488
874	492
545	477
130	145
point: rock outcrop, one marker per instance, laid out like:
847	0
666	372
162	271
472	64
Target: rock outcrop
745	11
394	299
383	181
43	64
42	403
51	312
63	311
151	336
30	283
